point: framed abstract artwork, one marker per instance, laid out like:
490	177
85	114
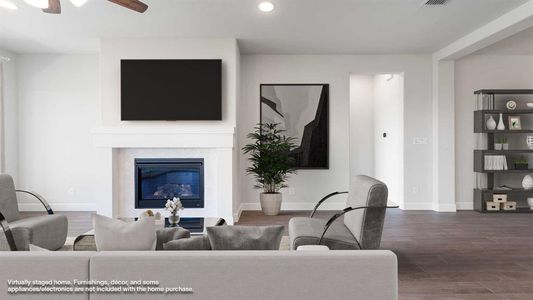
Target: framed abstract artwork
302	110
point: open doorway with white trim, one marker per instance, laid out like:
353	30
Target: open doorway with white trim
377	128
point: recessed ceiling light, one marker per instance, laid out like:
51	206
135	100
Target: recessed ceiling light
38	3
8	4
78	3
266	6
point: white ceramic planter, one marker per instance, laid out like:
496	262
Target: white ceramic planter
270	203
530	203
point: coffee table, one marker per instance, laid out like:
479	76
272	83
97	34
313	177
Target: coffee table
196	225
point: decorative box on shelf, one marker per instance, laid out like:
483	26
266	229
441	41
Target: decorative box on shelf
493	206
499	198
508	205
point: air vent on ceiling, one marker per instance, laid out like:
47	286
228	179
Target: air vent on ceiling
436	2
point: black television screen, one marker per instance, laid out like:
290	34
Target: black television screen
171	90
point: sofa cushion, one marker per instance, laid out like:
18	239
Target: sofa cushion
245	237
192	243
307	231
46	231
166	235
114	235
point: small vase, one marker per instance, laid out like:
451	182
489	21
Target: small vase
497	146
173	220
530	203
505	146
491	123
501	126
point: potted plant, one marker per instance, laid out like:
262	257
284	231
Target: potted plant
521	163
498	145
270	164
505	143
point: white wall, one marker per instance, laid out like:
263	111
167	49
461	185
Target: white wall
361	125
10	113
388	119
58	108
311	185
113	50
472	73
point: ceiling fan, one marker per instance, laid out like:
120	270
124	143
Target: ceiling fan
54	6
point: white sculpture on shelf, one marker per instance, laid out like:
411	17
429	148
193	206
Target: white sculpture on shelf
527	182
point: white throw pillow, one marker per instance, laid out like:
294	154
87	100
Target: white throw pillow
116	235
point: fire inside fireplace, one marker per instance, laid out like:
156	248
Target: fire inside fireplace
157	180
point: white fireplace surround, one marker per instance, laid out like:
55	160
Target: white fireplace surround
119	146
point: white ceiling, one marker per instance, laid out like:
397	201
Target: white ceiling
295	27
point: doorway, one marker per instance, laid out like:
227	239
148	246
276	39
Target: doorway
376	130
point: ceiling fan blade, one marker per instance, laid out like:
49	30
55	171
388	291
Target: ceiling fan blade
135	5
54	7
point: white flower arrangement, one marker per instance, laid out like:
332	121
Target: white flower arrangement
174	205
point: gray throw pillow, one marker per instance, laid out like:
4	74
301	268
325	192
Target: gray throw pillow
116	235
190	244
245	237
34	248
170	233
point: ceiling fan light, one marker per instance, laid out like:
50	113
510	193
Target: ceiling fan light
38	3
78	3
8	4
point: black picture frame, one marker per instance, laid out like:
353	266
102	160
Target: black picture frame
315	156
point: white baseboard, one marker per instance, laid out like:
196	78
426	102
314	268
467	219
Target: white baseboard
58	206
418	206
295	206
465	205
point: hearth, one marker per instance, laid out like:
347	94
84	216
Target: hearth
159	179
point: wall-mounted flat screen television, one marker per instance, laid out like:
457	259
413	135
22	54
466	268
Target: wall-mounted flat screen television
171	90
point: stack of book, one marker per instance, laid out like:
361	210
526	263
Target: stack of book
495	162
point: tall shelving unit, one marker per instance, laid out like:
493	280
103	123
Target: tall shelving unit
486	103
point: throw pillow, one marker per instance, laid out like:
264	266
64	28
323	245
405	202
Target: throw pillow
245	237
190	244
116	235
34	248
168	234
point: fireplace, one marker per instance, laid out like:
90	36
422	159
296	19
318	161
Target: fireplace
157	180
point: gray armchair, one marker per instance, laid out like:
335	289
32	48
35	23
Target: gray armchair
364	217
47	231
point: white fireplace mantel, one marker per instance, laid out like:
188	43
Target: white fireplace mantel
118	145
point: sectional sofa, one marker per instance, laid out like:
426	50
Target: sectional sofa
212	274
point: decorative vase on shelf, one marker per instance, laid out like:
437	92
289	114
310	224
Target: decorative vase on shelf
530	203
501	126
173	220
491	123
527	182
498	146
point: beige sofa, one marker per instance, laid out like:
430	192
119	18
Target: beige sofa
214	274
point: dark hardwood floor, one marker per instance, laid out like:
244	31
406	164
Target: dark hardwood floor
463	255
